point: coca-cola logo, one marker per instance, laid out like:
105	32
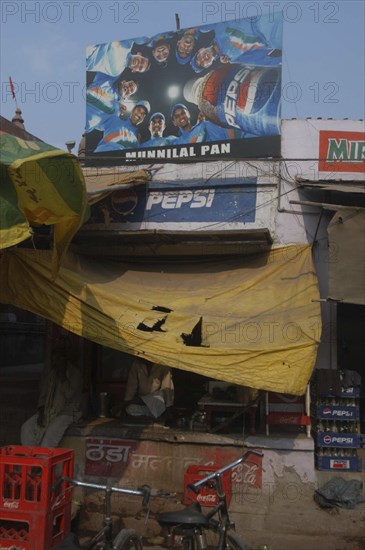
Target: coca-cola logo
11	504
206	498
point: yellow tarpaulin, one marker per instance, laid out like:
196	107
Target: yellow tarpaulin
253	321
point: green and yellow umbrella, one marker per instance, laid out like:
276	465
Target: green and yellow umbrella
40	185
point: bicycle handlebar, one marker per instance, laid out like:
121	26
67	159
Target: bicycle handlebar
194	486
143	491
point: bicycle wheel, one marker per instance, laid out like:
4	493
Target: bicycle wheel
188	543
128	539
235	542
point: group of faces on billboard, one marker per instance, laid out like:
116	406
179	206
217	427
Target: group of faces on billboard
212	84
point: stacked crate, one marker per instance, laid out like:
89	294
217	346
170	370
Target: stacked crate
336	422
33	514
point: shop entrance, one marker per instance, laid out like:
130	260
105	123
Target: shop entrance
351	345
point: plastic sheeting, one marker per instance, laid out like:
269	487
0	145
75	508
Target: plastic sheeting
340	493
253	320
346	235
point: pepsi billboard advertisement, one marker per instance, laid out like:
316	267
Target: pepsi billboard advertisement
201	93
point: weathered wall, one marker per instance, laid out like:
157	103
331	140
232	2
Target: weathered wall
276	509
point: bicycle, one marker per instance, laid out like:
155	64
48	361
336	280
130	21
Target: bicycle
126	539
188	528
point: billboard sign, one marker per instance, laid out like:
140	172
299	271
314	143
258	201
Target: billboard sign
341	151
201	93
324	150
185	203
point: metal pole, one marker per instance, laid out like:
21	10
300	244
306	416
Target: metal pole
267	412
307	408
177	18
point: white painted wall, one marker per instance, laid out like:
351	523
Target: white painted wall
300	145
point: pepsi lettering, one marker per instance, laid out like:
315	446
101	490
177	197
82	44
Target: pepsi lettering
177	199
332	412
339	440
342	413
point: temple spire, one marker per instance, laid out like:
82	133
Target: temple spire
18	119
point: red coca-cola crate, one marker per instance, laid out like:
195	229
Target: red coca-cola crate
207	496
27	475
34	531
32	515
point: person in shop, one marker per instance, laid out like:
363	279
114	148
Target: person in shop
59	401
149	391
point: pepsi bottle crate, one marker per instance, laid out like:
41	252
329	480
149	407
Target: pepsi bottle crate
352	392
338	463
334	439
336	412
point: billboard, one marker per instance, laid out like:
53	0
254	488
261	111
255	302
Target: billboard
201	93
186	203
341	151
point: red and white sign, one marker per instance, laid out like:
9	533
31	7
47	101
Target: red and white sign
318	149
286	409
340	464
341	151
247	473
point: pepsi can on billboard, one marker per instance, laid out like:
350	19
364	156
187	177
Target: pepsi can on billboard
239	96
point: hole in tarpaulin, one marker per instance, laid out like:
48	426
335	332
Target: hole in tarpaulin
149	326
194	338
163	309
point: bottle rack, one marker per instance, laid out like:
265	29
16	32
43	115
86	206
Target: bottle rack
336	430
33	516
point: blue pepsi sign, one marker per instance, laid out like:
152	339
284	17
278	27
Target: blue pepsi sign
182	202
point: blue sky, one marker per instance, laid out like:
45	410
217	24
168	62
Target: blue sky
43	49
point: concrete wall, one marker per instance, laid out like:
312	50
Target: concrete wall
273	507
